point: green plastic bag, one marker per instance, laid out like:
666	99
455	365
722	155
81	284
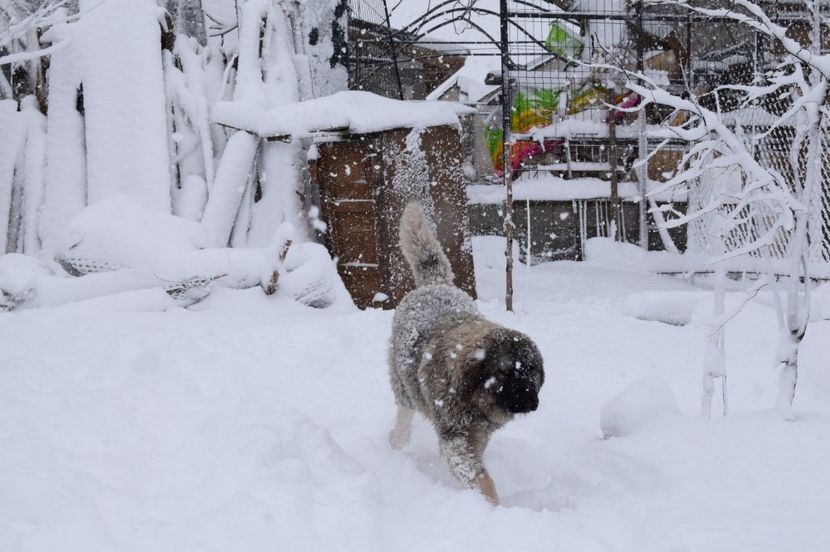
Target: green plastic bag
562	41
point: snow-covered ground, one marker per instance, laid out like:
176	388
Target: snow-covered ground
252	423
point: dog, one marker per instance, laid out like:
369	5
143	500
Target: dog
468	376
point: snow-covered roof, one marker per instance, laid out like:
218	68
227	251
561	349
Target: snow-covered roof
469	79
353	111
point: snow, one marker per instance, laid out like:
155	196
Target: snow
252	423
677	307
352	110
18	276
629	257
643	401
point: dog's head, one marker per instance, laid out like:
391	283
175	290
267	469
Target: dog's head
511	372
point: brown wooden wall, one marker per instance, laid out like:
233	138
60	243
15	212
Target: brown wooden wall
364	183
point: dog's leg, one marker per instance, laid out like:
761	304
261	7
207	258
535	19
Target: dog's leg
487	487
464	458
402	432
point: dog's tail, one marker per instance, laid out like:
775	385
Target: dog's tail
422	250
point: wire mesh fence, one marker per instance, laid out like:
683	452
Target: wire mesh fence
566	63
566	68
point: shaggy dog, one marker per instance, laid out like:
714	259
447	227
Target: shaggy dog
465	374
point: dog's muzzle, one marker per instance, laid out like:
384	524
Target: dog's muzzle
518	396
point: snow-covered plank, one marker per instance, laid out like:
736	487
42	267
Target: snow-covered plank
355	111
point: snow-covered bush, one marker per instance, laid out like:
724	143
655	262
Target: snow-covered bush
748	207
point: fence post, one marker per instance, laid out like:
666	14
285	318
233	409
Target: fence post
507	177
612	163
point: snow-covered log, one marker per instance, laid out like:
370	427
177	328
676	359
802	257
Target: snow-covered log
65	190
13	129
34	176
119	245
232	177
124	101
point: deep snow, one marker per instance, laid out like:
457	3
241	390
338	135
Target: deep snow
253	423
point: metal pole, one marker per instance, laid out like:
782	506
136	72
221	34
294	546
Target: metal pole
612	162
507	177
394	50
642	144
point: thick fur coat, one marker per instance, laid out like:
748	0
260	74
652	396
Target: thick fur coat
465	374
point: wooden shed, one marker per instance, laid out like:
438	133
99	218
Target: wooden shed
373	156
364	182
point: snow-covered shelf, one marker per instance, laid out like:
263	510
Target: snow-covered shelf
545	186
578	166
350	111
583	128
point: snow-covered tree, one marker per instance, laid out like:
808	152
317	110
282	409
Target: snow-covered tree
761	205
